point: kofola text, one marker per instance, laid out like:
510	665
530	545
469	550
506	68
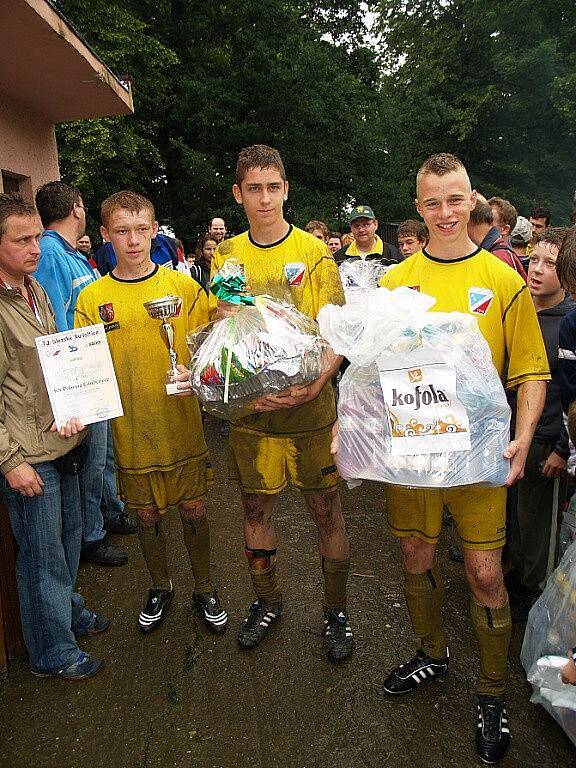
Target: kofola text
422	396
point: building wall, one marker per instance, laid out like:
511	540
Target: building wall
28	152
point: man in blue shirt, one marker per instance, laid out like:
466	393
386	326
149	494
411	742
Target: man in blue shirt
164	252
63	271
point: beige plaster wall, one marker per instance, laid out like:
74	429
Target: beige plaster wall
27	146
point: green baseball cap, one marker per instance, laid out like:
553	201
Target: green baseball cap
361	212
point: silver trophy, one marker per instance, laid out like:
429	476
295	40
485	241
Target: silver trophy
163	309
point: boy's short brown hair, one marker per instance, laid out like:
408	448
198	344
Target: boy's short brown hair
553	235
315	224
127	200
566	261
413	228
258	156
508	214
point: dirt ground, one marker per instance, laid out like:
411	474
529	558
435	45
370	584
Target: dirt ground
182	697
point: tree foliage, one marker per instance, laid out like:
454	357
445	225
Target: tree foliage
212	78
492	82
353	117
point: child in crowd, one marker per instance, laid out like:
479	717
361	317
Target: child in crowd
412	237
539	496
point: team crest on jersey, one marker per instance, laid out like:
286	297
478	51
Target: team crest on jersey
106	312
295	273
479	300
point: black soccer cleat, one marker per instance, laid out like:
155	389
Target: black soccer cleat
422	667
257	624
213	615
492	732
157	605
338	637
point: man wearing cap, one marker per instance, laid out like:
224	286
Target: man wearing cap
367	244
520	240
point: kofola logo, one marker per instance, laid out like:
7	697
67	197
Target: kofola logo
426	395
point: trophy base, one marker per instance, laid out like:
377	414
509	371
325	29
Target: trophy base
172	388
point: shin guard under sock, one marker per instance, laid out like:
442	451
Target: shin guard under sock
424	594
262	565
197	540
335	580
153	546
492	627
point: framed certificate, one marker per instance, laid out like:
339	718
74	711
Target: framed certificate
79	375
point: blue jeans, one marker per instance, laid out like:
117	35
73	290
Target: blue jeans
98	483
48	530
112	507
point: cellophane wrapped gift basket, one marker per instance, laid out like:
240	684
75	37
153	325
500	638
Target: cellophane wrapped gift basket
264	348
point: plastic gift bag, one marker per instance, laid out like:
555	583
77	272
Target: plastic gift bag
567	527
261	350
421	404
550	632
359	276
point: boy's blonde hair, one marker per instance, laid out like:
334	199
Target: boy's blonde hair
439	165
127	200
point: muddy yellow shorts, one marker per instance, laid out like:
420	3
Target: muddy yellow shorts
265	463
479	513
166	489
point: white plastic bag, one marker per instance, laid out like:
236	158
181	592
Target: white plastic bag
359	276
567	527
550	632
437	366
362	331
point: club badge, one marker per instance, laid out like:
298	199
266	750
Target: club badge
106	312
295	273
479	300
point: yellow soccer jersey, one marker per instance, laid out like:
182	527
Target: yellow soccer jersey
158	432
301	270
378	247
482	285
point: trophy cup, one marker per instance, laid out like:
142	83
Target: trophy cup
163	309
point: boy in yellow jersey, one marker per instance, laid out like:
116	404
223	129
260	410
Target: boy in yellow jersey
161	455
464	278
288	435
